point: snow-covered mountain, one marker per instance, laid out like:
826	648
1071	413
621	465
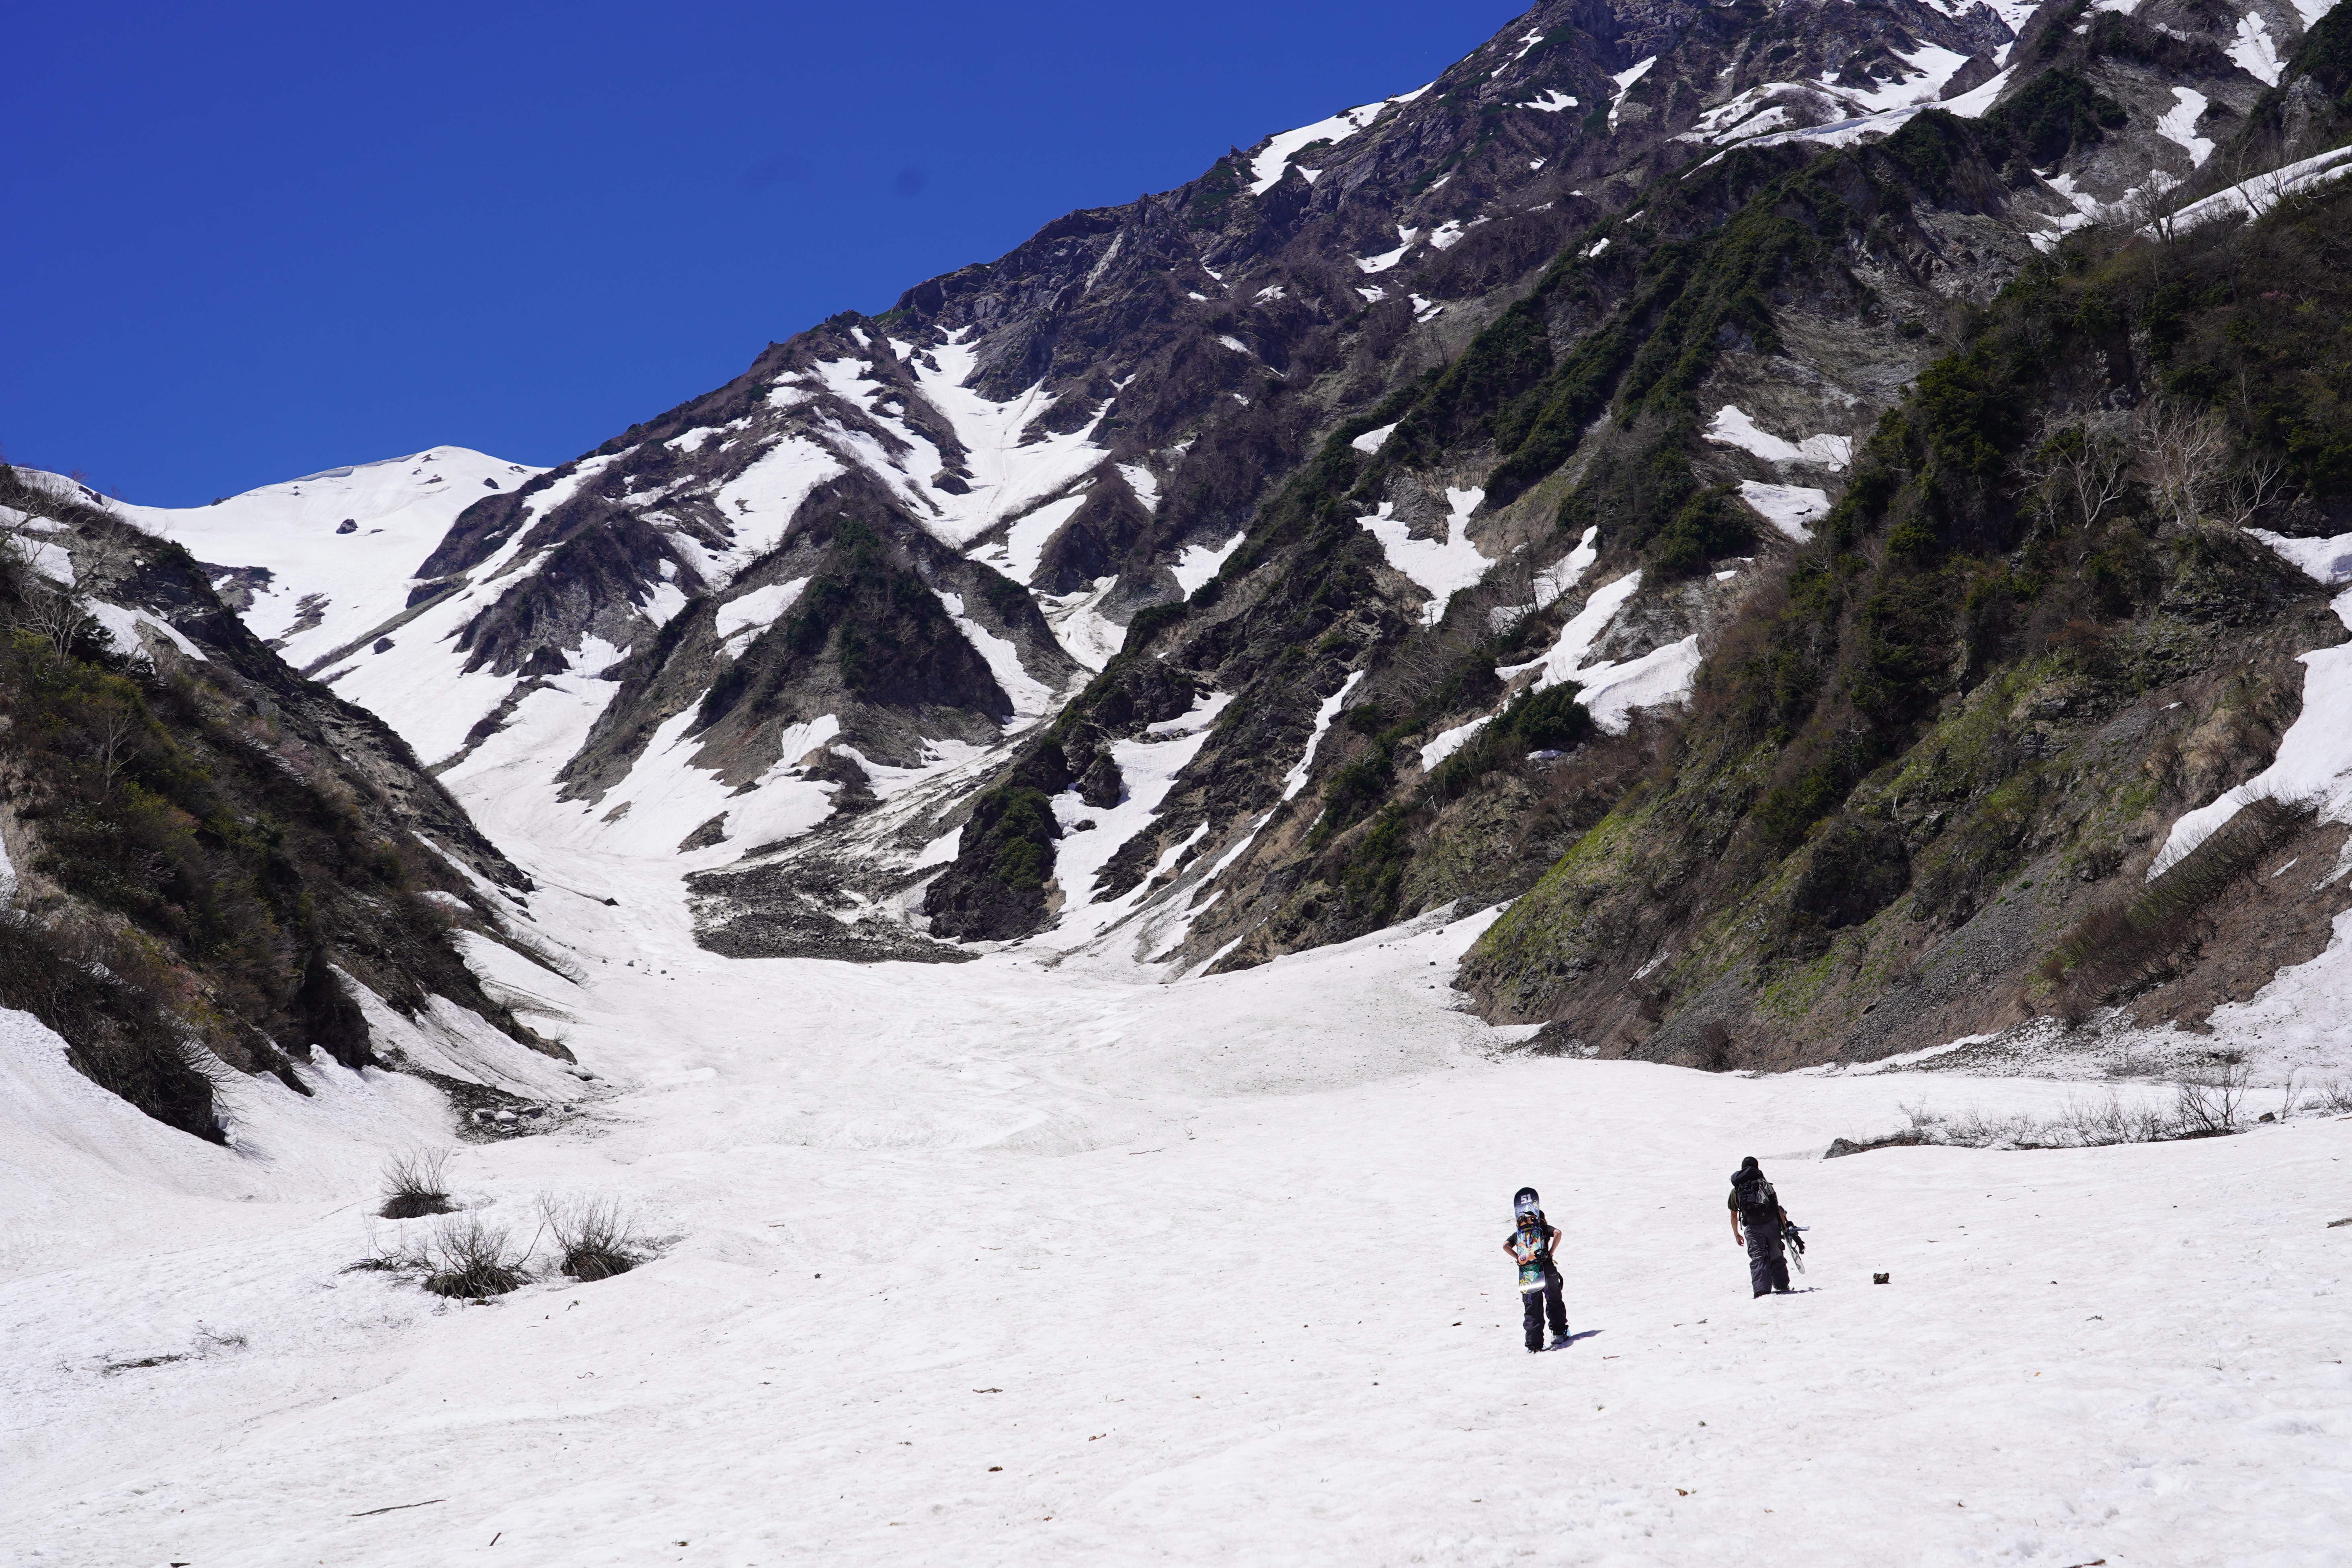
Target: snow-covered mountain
1735	537
1343	442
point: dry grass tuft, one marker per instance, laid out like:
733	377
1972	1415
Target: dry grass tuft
470	1258
595	1237
412	1187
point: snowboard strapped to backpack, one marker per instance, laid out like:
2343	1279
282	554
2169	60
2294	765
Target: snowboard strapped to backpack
1533	1256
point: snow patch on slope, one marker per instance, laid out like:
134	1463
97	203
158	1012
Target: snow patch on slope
1625	80
1196	563
123	627
2178	124
1148	764
2314	756
1295	778
1031	699
1389	258
1449	741
1611	691
1266	169
2255	51
1732	427
1792	509
1009	475
740	619
2251	198
1442	567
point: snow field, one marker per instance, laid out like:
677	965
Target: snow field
402	506
1209	1270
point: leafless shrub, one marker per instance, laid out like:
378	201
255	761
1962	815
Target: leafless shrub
2086	1125
412	1187
397	1254
2291	1101
2183	451
2150	207
470	1258
56	616
2097	1124
104	549
2211	1105
117	736
1970	1129
595	1237
2254	486
2333	1098
2079	463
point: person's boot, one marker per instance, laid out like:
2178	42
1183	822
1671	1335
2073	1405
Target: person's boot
1558	1342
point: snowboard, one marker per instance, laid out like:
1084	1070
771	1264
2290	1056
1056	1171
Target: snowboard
1793	1235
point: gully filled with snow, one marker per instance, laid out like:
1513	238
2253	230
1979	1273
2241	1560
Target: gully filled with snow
1018	1262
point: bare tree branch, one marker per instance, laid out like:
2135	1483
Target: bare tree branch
2251	488
2183	451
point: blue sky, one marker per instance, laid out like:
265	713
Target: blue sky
248	242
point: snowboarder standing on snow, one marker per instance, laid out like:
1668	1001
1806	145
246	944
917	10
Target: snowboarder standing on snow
1531	1245
1755	1204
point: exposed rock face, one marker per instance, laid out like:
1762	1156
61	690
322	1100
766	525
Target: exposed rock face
1473	493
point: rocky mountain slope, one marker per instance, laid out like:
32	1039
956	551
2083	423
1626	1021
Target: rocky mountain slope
210	862
1474	493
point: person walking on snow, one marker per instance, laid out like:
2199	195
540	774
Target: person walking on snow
1531	1245
1754	1203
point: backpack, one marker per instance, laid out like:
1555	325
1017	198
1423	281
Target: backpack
1757	1199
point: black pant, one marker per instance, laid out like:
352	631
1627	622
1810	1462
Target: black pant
1537	1304
1767	1266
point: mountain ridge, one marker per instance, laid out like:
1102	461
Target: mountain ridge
1177	585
